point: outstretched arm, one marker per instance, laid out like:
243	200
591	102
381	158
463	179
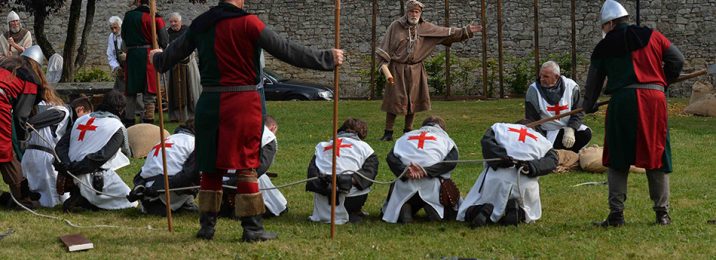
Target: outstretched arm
295	54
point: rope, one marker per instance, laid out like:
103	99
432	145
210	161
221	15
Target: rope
68	222
590	183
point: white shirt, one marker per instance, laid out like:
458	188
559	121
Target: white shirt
111	53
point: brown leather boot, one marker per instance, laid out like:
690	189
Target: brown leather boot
148	113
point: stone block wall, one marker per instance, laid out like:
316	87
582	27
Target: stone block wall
688	23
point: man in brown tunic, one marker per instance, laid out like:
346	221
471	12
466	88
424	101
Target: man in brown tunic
408	41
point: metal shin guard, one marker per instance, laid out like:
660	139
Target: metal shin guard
249	205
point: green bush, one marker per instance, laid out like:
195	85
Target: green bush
365	76
92	75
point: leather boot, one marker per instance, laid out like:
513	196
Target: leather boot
513	213
387	135
406	214
615	219
479	216
148	113
254	230
209	205
662	218
207	220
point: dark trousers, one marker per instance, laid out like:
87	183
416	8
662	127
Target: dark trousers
355	204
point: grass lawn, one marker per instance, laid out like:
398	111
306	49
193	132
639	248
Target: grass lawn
565	230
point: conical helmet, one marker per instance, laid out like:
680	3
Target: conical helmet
35	53
611	10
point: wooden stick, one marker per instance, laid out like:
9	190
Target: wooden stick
578	110
500	57
336	79
483	22
574	38
448	79
155	45
373	39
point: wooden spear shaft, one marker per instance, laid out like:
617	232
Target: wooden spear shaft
155	45
336	95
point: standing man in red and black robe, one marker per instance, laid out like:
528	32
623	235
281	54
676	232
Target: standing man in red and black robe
639	64
141	77
229	111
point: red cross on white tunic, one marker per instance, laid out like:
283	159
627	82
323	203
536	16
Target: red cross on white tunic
421	138
86	127
340	145
523	133
557	109
158	146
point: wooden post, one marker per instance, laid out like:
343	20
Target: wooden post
574	39
500	58
483	22
536	37
336	95
638	13
372	49
448	79
155	45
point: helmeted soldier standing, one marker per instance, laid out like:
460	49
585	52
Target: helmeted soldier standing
639	64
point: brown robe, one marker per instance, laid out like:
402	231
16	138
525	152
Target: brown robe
411	92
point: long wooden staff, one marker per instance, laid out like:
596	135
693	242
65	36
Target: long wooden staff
681	78
155	45
335	121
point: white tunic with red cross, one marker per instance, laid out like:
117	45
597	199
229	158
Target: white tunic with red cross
351	156
563	106
89	134
498	186
177	146
425	146
273	198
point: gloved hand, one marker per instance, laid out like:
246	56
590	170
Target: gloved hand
344	183
506	162
568	137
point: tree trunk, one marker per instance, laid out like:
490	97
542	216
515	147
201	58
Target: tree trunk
39	27
89	19
68	69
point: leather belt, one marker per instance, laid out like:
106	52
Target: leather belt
214	89
40	148
139	47
646	86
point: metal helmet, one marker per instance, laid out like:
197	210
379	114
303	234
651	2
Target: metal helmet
35	53
611	10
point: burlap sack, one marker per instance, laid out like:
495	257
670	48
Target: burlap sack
703	100
567	161
590	159
142	138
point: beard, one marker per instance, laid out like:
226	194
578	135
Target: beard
413	21
15	29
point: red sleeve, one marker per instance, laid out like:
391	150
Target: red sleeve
30	88
160	22
254	26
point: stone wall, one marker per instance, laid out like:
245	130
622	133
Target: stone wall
688	23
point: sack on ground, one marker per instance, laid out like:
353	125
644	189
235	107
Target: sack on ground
703	100
567	161
142	138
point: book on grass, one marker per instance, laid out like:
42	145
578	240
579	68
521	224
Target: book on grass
76	242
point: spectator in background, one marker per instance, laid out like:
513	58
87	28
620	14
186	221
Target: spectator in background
16	39
115	55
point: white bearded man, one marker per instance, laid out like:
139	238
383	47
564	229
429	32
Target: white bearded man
274	201
183	84
552	95
353	157
116	57
507	191
16	39
407	42
92	151
181	169
420	153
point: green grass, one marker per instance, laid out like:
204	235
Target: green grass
565	230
